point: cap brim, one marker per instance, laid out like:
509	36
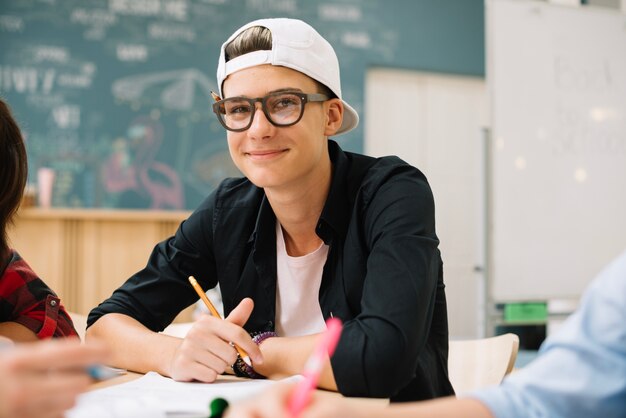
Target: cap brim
350	119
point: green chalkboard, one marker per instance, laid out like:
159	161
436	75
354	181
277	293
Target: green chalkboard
114	94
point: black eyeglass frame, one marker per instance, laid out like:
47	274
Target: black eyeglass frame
304	97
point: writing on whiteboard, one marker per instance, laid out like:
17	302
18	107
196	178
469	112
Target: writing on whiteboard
585	75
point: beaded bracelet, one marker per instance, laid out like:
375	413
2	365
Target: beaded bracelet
259	337
243	369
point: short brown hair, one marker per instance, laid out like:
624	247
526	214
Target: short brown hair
13	173
259	38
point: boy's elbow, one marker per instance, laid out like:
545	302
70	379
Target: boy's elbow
389	384
380	388
380	379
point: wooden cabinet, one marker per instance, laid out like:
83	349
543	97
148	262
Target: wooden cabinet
84	255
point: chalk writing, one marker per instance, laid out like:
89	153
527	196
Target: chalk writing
582	74
98	17
132	52
27	79
284	6
179	91
11	23
171	32
340	12
66	116
175	9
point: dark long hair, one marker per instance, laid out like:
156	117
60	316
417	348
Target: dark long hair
13	173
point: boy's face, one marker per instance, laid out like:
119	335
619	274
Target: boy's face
280	157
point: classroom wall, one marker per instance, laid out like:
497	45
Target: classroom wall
435	122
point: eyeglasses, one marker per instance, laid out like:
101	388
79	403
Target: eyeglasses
281	109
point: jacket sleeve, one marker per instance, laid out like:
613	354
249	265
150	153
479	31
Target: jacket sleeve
379	349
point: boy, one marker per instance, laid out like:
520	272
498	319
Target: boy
310	232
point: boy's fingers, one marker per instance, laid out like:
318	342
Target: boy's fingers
241	313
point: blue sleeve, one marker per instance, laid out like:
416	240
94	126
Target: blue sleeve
581	370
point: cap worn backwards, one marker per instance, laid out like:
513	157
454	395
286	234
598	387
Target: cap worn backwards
295	45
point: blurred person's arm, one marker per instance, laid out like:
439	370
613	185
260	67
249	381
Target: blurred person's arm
580	369
273	404
43	379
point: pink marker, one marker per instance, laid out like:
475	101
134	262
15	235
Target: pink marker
313	367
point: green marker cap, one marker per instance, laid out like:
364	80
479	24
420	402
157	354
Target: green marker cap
217	407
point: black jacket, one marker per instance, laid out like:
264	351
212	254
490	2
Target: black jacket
383	276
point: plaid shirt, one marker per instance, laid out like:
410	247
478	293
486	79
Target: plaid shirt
27	300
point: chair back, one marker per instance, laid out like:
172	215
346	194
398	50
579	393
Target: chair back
475	364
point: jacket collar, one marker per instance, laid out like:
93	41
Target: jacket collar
336	212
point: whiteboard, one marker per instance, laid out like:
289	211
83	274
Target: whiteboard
557	81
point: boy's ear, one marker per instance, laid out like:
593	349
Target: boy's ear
334	116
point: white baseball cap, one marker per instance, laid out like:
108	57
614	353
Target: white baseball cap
298	46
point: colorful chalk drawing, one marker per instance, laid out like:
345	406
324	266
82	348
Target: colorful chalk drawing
133	169
181	91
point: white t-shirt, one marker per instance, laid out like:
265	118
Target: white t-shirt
298	283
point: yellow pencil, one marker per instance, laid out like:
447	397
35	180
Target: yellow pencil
215	96
194	283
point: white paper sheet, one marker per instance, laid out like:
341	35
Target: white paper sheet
155	396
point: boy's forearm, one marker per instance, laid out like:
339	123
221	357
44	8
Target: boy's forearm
286	356
133	346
